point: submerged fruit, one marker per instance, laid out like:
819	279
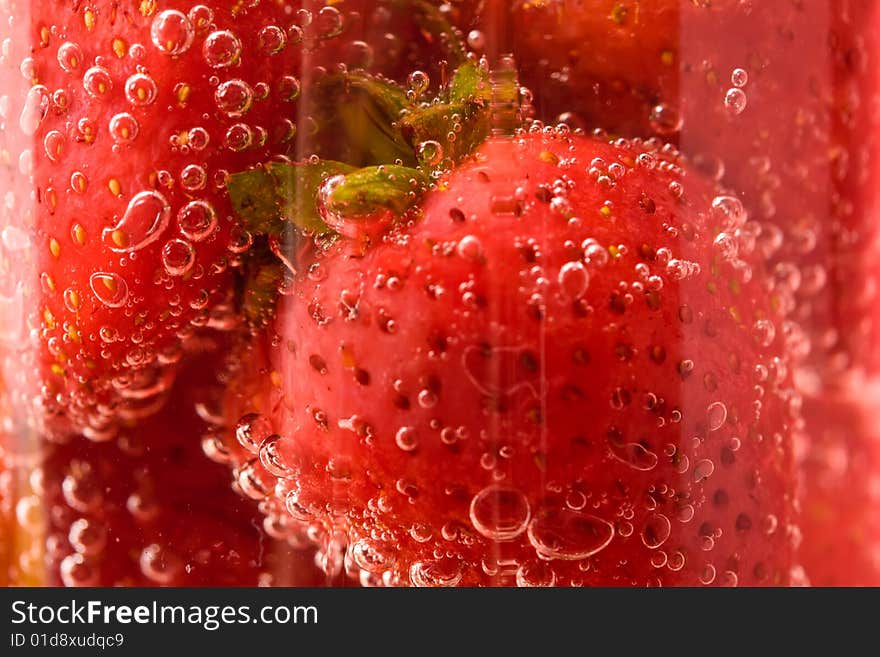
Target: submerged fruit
565	366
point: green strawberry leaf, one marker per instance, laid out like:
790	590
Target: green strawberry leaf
268	198
357	115
256	284
368	191
448	131
470	83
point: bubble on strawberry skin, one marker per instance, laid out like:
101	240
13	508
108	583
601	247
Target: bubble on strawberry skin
735	101
234	98
407	439
222	49
476	40
635	455
252	430
372	556
110	289
470	248
574	280
172	32
141	90
197	220
535	574
146	218
271	458
739	77
34	110
500	513
729	211
716	414
160	565
70	56
568	535
124	128
445	572
272	40
656	530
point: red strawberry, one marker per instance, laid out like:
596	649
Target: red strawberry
149	509
779	101
136	113
567	367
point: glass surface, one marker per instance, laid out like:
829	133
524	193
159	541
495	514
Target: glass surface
423	293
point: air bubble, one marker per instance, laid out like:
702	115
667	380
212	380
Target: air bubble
535	574
159	564
573	279
87	537
271	458
252	430
140	89
70	57
430	153
110	288
144	221
36	105
735	101
665	119
234	98
178	257
53	145
568	535
197	220
193	178
500	513
272	40
436	573
716	414
470	248
124	128
172	32
656	530
76	571
239	137
288	88
739	77
703	470
764	332
406	439
222	49
372	556
729	212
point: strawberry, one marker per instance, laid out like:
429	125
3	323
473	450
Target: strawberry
148	509
778	101
134	116
563	364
